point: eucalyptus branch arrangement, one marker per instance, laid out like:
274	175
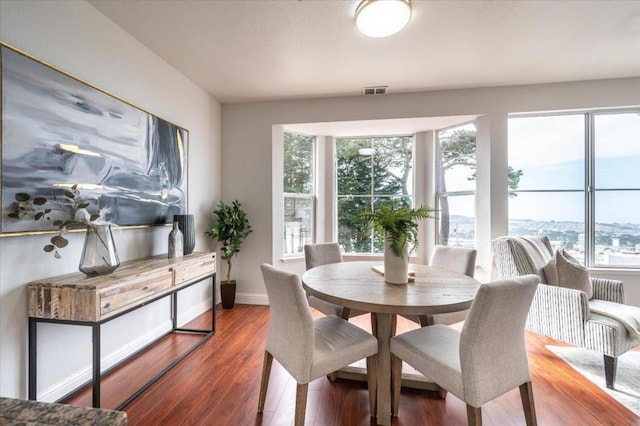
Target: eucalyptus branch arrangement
64	213
398	223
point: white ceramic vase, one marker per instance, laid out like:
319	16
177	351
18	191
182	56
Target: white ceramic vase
396	268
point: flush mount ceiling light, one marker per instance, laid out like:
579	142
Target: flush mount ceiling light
382	18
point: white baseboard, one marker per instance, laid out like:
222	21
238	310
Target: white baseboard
80	377
252	299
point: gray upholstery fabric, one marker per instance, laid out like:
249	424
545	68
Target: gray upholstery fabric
563	313
512	260
323	254
308	349
572	275
485	360
455	259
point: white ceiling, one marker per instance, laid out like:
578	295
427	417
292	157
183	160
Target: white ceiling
241	51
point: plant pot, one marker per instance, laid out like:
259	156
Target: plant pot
228	293
396	268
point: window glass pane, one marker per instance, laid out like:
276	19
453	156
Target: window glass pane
370	171
548	151
617	228
353	166
298	163
456	221
558	215
392	166
617	151
353	235
457	159
298	223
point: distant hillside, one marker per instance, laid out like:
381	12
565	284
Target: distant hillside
628	234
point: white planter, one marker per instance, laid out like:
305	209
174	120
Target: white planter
396	269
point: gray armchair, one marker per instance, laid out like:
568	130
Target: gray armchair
564	313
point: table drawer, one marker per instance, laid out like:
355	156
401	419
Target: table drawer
122	295
191	271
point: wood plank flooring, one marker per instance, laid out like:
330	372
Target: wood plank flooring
218	384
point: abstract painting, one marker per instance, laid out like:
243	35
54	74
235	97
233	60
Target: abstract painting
58	131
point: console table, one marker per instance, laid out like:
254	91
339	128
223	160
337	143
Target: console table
92	301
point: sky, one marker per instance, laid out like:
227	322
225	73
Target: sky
550	150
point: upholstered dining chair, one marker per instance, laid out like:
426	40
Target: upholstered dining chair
483	361
455	259
322	254
309	349
569	305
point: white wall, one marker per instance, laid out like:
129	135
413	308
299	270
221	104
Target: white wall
75	37
247	128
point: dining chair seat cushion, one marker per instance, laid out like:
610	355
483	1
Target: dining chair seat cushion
339	343
434	352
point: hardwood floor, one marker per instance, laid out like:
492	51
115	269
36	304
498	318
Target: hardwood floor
218	384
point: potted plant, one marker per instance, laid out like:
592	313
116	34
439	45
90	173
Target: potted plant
230	230
398	227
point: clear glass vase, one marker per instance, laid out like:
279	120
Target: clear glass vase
99	255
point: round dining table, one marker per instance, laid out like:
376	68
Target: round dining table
360	285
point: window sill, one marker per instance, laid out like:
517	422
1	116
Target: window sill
291	259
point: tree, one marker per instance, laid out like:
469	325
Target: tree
459	149
298	162
370	172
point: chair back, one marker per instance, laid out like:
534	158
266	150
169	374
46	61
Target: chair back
454	259
321	254
517	256
493	355
290	338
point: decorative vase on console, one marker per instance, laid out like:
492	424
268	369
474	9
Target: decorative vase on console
99	255
187	227
176	242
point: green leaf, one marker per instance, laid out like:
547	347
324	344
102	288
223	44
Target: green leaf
94	216
39	201
69	194
83	205
22	196
14	215
38	216
57	223
49	248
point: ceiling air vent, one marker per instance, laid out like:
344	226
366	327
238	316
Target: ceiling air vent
375	90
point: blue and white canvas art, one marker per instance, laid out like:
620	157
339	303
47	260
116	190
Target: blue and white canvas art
58	131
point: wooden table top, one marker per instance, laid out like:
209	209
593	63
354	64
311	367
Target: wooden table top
357	286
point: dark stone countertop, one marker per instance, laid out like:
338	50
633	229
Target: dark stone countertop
18	412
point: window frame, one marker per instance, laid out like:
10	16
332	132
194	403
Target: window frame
439	194
588	190
312	195
337	196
